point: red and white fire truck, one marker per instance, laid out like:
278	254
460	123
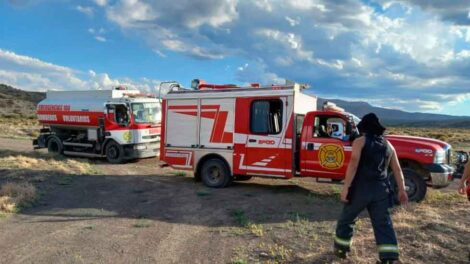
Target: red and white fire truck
118	124
226	133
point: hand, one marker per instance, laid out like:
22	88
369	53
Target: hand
462	187
403	197
344	194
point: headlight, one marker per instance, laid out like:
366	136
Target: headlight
140	147
440	156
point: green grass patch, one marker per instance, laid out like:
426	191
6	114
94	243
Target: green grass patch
143	223
179	173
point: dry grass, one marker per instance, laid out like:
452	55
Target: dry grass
26	128
16	195
433	231
43	162
459	138
20	174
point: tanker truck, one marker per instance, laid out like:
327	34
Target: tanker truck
117	124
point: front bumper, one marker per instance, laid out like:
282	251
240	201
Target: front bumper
441	174
145	150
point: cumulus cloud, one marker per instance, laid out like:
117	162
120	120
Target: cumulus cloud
33	74
456	11
343	48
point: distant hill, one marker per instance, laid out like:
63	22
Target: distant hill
18	103
395	117
15	102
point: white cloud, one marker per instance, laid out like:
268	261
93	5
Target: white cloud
32	74
100	38
87	10
408	48
98	34
101	2
341	48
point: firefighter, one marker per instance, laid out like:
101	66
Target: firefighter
463	186
367	186
465	178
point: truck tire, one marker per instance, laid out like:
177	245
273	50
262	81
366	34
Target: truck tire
215	174
415	185
114	153
54	145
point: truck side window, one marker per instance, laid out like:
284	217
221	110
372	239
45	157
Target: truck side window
266	117
122	117
330	127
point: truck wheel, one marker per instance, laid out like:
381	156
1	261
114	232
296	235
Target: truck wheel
415	186
215	174
114	153
54	145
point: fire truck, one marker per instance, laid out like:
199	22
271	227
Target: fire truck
118	124
226	133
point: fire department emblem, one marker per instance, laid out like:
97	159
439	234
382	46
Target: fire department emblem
331	156
127	136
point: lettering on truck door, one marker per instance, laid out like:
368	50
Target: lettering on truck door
326	148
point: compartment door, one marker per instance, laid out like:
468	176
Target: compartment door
182	123
217	123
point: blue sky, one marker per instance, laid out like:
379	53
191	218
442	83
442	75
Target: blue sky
412	55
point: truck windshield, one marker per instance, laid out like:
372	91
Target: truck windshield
145	112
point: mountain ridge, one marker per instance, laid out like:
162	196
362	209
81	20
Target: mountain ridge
20	103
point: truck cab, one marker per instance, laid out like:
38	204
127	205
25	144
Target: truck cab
326	147
118	124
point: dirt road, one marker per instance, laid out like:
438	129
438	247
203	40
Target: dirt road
139	213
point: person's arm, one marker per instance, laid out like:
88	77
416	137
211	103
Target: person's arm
465	177
398	174
357	146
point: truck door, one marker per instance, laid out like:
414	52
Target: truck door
266	151
326	148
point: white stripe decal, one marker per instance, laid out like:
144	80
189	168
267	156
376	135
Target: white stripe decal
244	167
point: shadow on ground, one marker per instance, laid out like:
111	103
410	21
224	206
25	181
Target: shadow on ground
174	199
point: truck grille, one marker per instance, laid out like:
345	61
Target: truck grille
450	156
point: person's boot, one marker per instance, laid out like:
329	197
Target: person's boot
341	253
388	261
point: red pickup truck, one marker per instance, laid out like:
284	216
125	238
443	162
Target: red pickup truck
233	133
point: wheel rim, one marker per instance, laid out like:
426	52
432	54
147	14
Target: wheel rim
113	152
54	147
214	174
410	187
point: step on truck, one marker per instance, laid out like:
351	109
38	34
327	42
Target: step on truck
227	133
117	124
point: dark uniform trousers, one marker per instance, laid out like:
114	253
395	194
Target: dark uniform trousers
375	197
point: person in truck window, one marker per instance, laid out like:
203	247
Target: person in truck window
121	116
367	186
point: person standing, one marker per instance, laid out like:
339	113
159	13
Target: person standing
367	186
463	186
465	178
